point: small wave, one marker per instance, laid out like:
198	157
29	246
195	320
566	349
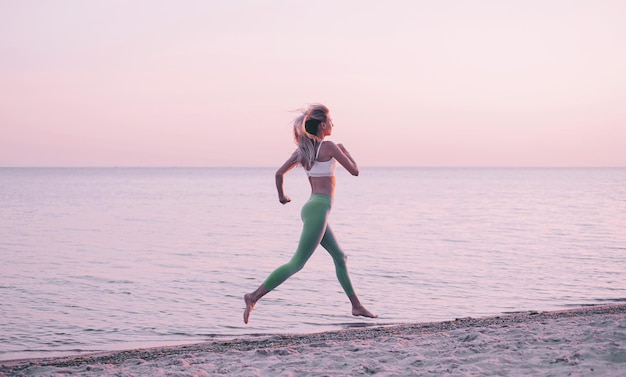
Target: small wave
619	299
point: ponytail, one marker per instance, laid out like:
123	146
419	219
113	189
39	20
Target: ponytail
305	129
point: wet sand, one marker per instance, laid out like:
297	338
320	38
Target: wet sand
589	341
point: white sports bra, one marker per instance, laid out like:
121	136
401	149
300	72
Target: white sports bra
322	168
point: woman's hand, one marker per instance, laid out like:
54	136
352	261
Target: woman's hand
284	199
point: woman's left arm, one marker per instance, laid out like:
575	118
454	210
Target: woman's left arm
341	154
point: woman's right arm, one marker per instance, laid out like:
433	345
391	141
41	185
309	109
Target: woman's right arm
280	174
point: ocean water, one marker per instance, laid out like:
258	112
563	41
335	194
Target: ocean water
114	258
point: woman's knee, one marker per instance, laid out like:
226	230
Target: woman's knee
296	265
340	259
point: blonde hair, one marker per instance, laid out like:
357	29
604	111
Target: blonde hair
305	130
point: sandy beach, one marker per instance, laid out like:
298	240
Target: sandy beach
588	341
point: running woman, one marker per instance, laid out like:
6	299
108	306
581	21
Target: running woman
319	159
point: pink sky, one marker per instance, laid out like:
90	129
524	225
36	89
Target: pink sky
409	83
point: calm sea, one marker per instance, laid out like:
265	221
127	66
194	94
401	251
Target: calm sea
106	259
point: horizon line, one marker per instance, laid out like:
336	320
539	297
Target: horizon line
363	167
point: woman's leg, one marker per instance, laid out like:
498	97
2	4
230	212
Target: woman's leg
339	257
314	214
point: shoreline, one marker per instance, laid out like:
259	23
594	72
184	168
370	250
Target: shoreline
583	341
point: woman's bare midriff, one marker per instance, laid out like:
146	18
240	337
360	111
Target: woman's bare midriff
322	185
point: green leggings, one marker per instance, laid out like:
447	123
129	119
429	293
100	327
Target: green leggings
315	231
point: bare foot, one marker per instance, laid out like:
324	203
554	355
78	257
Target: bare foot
247	298
361	311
